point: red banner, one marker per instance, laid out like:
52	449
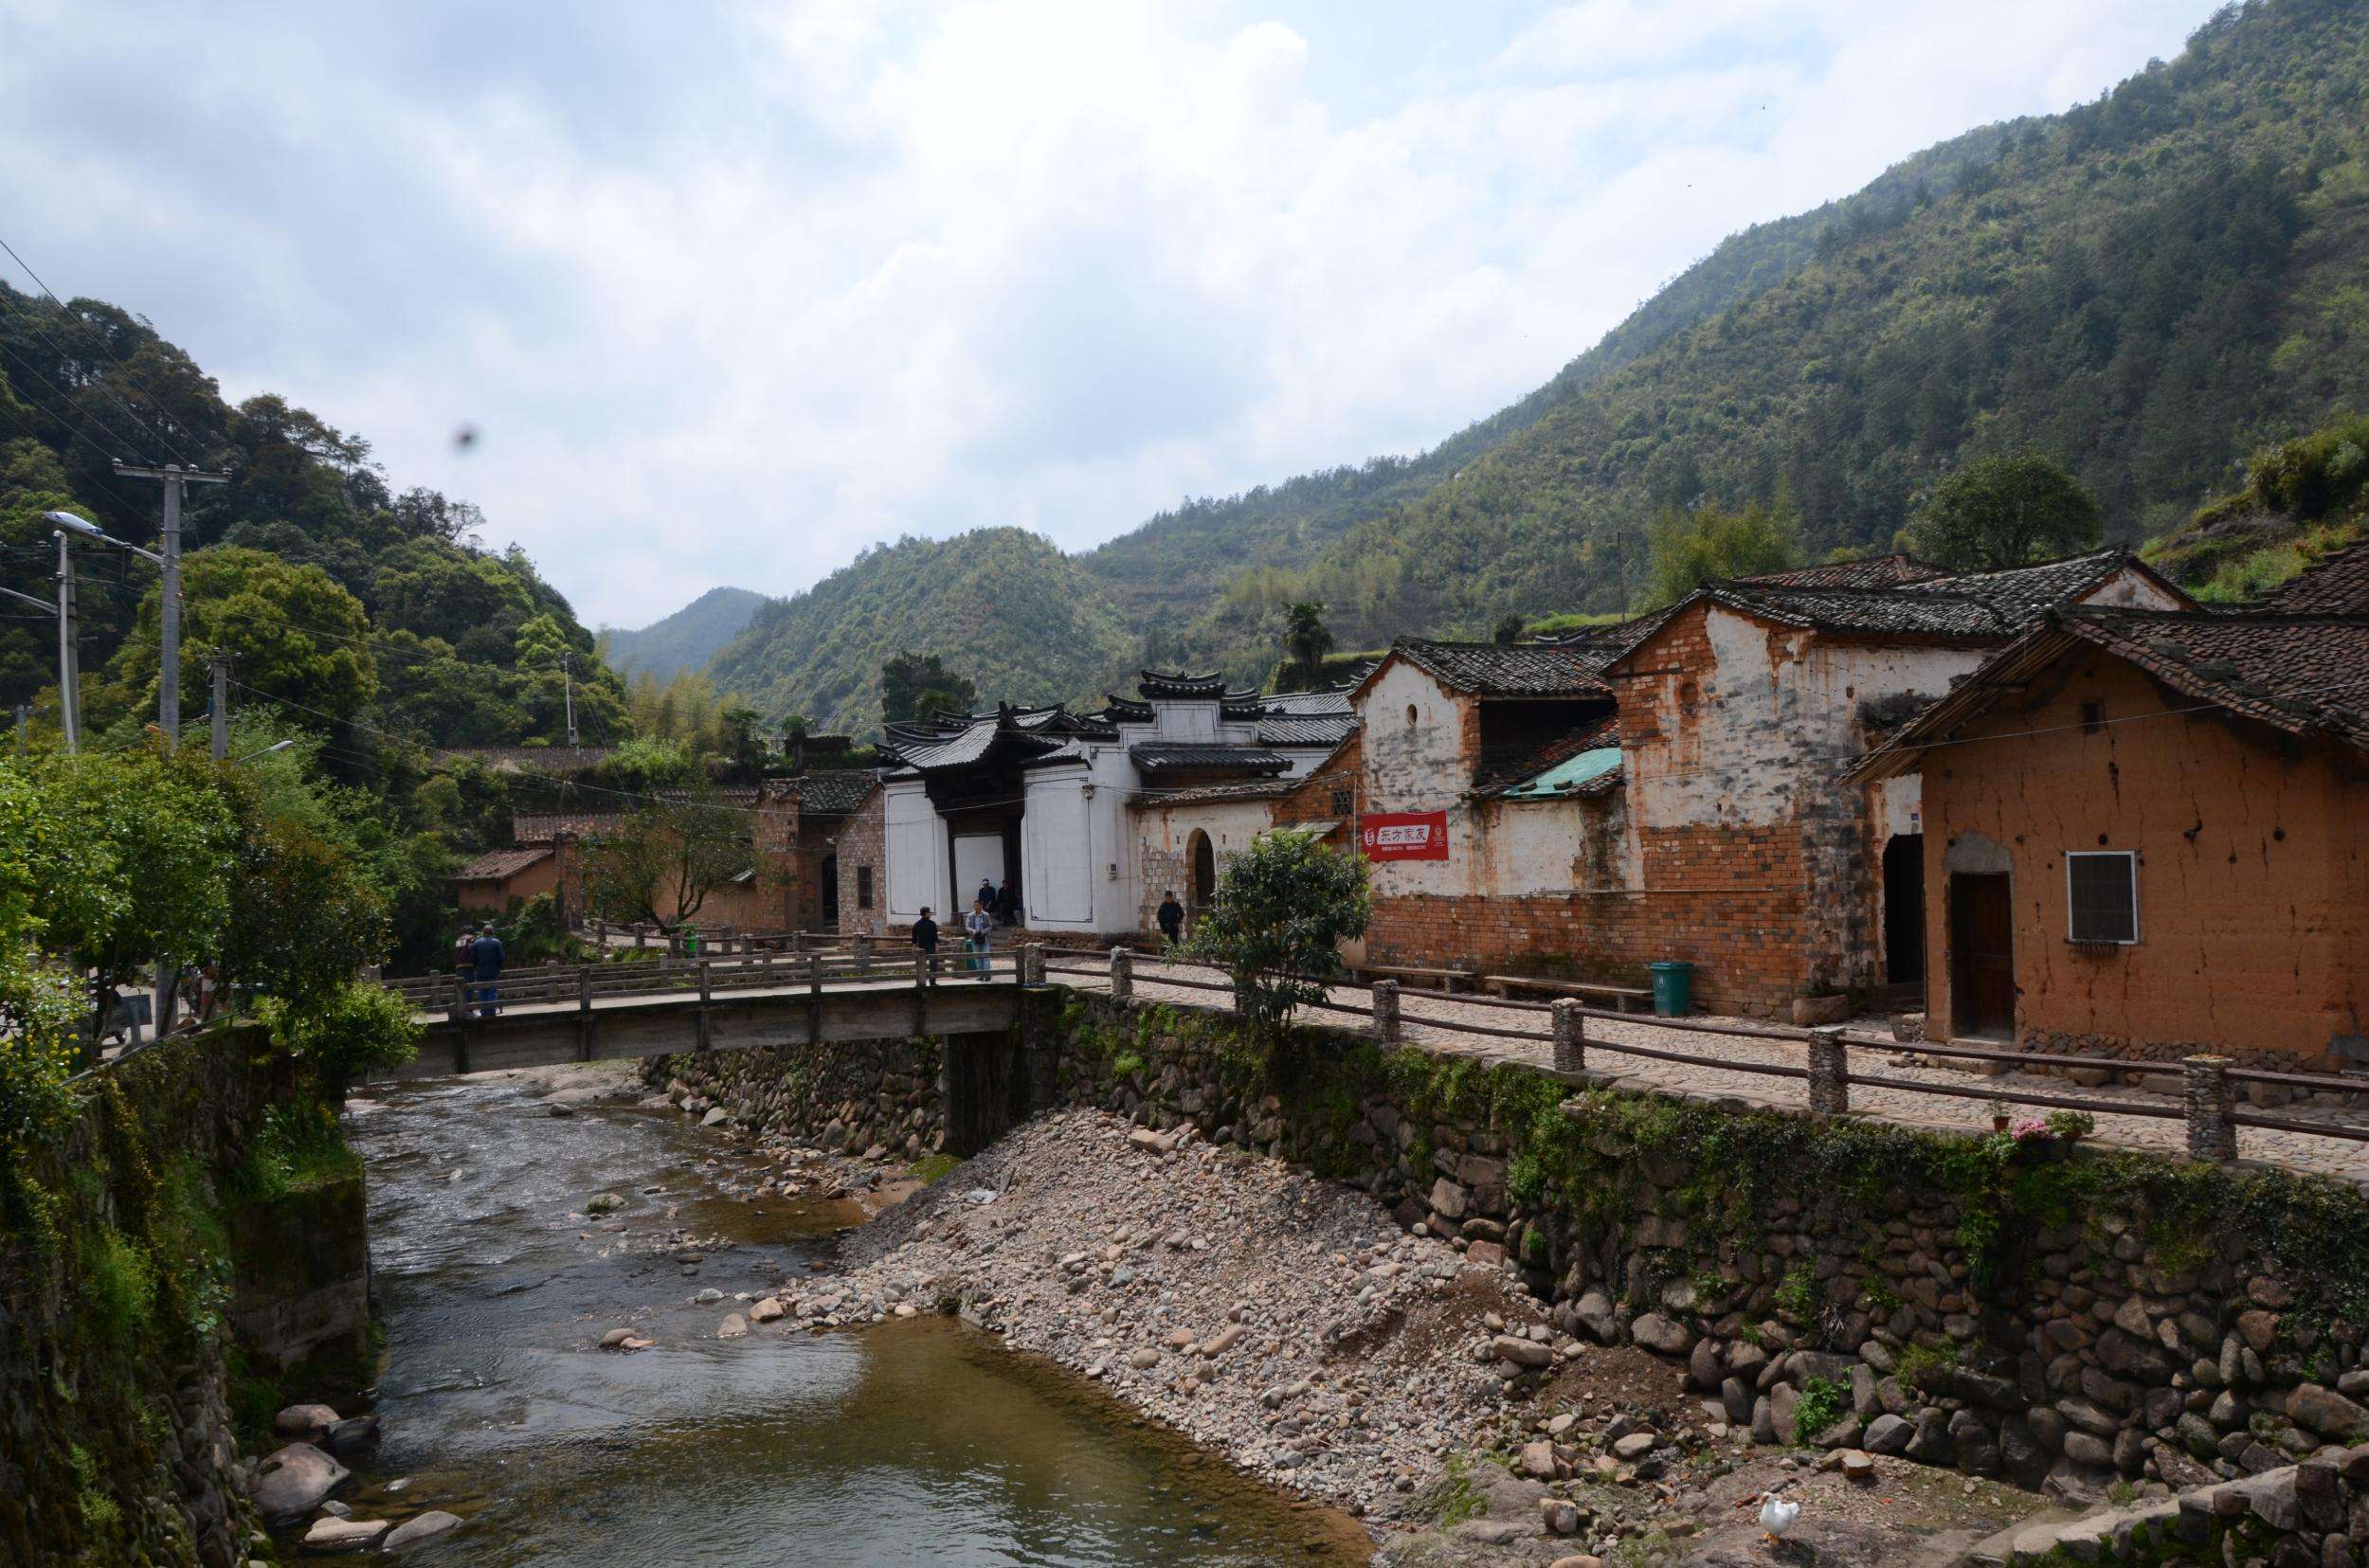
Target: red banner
1405	836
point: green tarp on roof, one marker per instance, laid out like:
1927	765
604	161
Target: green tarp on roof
1566	775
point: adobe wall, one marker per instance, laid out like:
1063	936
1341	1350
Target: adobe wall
2253	874
1164	838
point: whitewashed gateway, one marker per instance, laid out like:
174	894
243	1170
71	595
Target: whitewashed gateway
1038	796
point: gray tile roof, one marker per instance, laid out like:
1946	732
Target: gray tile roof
1510	670
1875	572
835	792
1154	756
1877	611
2020	595
1332	729
2337	585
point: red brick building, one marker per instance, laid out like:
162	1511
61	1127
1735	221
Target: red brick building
2148	835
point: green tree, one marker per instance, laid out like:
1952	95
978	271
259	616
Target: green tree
2005	511
304	917
1306	638
1283	908
352	1029
661	862
1691	549
913	686
294	635
743	748
1508	629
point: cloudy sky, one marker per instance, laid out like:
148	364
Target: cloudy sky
731	291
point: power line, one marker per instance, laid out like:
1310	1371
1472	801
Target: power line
170	449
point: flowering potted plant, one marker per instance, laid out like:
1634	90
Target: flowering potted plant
2071	1126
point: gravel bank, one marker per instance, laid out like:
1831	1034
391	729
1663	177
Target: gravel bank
1276	1318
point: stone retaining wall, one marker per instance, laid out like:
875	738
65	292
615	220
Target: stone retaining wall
130	1251
2060	1315
871	1093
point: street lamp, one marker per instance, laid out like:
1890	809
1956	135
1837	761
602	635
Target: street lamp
276	746
69	526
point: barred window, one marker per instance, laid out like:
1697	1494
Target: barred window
863	887
2102	894
1343	802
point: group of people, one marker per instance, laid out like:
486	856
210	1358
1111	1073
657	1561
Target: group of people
476	962
976	925
1001	903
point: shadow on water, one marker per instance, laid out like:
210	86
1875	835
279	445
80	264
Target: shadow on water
915	1442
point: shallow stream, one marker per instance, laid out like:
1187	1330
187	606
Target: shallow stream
914	1442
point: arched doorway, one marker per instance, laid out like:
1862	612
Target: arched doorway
1205	858
1904	909
829	879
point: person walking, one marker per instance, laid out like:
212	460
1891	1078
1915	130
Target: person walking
485	963
464	957
978	923
926	944
1171	918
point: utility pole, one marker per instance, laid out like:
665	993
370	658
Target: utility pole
69	665
168	642
222	705
567	686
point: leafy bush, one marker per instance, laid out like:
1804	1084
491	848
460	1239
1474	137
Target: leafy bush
356	1029
1281	910
299	1147
1797	1295
1823	1402
119	1283
1920	1362
2314	474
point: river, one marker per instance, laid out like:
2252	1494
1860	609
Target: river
913	1442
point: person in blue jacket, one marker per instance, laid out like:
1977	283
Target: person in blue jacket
485	957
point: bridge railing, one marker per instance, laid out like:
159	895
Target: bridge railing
587	983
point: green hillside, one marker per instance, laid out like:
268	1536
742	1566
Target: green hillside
1000	604
356	608
2146	288
684	641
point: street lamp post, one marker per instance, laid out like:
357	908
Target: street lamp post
69	657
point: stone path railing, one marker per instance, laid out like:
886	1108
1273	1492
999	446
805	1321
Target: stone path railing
2190	1106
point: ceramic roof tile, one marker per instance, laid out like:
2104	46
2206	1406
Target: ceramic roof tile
2337	585
1875	572
494	865
1511	669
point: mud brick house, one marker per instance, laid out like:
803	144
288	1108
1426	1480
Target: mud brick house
1040	796
501	879
2148	835
1681	797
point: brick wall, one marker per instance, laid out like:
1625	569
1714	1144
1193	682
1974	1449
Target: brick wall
862	837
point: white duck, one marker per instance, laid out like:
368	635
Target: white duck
1777	1515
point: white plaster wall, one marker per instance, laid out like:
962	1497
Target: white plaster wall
914	845
1184	721
2128	589
1420	766
976	854
1898	807
1055	851
1230	826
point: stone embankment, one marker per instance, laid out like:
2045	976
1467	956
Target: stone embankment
2068	1318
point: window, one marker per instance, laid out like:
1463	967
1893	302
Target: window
2102	895
1410	715
1344	802
863	887
2092	717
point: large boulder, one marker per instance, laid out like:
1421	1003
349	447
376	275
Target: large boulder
1667	1335
2327	1411
290	1484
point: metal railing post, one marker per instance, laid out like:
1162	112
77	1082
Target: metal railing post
1570	1026
1830	1073
1387	1025
2210	1105
1122	974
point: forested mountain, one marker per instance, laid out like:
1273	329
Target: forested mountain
358	610
1002	605
2146	288
684	641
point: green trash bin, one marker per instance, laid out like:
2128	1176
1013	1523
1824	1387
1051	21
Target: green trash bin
1673	989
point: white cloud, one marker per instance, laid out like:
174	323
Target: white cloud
733	296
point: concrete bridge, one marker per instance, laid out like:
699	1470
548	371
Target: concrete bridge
550	1016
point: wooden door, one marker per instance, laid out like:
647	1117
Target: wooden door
1982	956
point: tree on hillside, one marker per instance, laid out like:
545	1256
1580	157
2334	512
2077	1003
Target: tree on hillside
1282	908
294	635
913	686
2004	511
1307	639
1690	548
1508	629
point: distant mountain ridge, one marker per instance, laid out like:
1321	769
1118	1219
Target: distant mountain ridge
686	639
2145	287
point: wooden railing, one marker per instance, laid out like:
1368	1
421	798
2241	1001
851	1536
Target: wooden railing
2209	1083
703	979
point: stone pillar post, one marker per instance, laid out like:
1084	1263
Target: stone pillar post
584	988
1830	1073
2211	1104
1122	974
814	973
1386	1026
460	997
864	955
704	990
921	969
797	941
1032	964
1570	1028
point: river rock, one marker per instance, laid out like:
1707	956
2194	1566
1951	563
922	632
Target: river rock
1637	1445
302	1423
1538	1460
733	1327
2327	1411
1521	1352
345	1535
427	1526
615	1339
353	1434
290	1484
1889	1434
716	1116
766	1310
1667	1335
